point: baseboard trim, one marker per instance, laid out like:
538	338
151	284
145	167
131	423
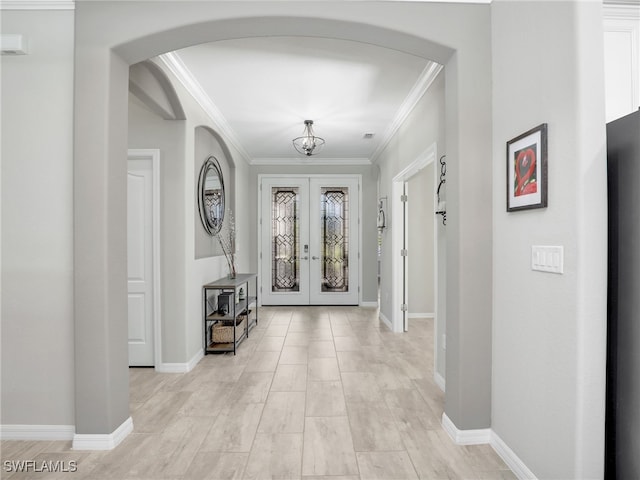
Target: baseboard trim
487	435
440	381
465	437
369	304
421	315
385	320
109	441
37	432
516	465
181	367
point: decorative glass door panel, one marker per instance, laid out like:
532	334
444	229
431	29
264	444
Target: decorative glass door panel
334	238
285	242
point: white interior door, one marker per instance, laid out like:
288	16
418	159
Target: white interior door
140	261
310	240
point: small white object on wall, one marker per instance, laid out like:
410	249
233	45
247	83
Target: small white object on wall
13	44
547	258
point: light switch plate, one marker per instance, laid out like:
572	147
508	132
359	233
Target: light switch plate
546	258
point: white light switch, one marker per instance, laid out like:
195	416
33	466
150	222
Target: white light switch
546	258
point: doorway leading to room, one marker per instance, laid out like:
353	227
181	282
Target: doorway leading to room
405	270
143	257
310	240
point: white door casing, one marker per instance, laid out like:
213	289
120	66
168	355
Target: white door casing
143	258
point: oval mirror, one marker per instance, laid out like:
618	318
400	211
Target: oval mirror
211	196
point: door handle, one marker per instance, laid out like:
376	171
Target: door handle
315	258
304	258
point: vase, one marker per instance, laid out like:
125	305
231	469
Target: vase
232	268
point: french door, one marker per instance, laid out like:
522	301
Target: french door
310	240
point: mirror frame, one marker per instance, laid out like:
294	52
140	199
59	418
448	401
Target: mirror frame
211	225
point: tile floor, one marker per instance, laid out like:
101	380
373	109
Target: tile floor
313	393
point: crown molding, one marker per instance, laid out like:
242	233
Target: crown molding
421	86
174	63
621	2
311	161
622	10
37	5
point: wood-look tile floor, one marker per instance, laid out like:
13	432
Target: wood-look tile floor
313	393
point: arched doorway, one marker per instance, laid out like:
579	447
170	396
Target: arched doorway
103	54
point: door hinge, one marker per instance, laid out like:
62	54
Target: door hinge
260	255
404	198
404	307
404	252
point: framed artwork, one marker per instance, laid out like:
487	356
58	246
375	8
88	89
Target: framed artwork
527	170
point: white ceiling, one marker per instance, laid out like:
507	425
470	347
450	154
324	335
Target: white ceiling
259	91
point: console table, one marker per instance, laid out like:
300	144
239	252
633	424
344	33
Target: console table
228	318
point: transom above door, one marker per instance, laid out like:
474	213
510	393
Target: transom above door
310	240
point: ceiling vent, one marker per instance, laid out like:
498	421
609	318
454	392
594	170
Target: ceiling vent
368	136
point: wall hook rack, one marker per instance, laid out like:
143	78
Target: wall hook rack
382	220
442	210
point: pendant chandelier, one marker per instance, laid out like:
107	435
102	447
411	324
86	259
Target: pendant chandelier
308	144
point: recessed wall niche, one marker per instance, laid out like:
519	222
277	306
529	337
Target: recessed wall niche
208	143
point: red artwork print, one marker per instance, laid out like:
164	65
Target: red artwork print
525	181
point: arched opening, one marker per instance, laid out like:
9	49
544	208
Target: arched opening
151	85
102	72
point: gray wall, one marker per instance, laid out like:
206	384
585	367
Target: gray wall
548	329
423	127
190	257
421	242
37	222
147	130
206	145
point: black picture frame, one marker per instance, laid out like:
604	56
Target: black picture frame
527	170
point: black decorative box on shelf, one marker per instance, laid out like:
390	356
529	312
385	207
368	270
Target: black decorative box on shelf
224	302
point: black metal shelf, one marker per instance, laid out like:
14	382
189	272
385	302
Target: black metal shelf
247	308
